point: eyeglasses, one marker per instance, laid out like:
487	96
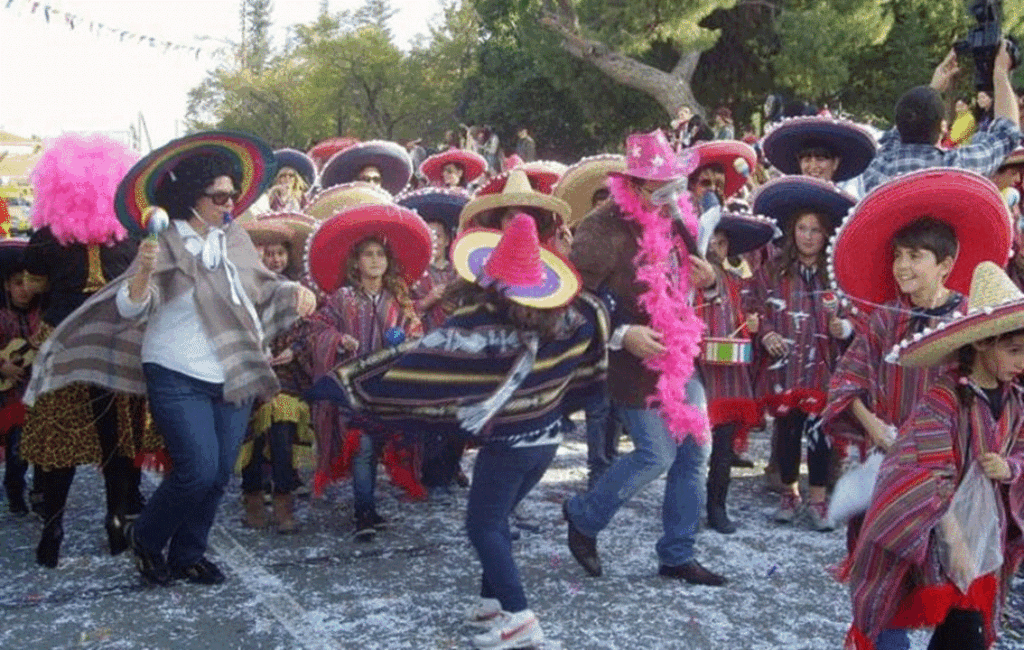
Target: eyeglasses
222	198
371	178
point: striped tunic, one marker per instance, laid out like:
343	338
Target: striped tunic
792	307
724	316
887	389
896	552
434	316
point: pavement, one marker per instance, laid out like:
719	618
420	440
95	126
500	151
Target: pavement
408	589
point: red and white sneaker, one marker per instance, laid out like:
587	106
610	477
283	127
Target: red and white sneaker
519	630
484	614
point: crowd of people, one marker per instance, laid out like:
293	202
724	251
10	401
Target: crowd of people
217	307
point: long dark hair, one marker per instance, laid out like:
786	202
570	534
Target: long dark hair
392	279
546	322
788	257
181	188
966	357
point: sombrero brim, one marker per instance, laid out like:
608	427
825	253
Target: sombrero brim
437	204
561	281
391	159
542	179
250	156
321	152
473	165
407	235
512	199
935	346
969	203
331	201
298	161
292	227
11	252
782	198
855	146
580	181
726	153
746	232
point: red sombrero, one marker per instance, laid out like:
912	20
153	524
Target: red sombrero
861	251
251	157
542	179
473	165
324	149
738	160
408	236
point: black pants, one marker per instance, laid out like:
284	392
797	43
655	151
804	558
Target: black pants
790	430
441	456
963	629
14	466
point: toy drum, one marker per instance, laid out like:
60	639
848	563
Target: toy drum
727	352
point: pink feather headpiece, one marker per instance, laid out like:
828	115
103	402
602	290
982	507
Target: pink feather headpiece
75	182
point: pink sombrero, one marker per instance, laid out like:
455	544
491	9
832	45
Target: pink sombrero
735	157
407	235
473	165
252	159
514	262
861	251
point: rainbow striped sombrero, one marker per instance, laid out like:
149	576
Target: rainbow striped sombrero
252	158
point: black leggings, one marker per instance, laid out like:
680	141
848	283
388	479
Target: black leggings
790	430
963	629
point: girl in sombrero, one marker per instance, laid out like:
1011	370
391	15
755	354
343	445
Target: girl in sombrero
363	260
920	561
544	358
296	174
453	168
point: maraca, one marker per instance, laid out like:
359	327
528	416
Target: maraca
155	220
394	336
830	302
742	167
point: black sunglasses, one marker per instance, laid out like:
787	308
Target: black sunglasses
221	198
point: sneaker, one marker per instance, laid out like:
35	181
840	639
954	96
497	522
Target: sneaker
151	566
484	614
788	507
518	630
378	522
817	513
365	531
202	572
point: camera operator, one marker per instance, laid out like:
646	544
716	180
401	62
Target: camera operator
920	114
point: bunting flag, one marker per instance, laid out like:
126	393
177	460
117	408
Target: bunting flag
71	21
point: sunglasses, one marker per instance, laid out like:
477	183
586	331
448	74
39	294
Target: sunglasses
222	198
368	178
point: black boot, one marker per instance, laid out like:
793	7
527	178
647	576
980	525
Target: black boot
55	484
720	467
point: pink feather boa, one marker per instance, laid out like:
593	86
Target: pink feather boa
669	307
75	182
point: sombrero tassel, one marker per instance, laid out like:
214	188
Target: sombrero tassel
475	417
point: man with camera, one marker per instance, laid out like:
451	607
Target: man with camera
920	114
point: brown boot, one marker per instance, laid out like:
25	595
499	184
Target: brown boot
284	507
255	511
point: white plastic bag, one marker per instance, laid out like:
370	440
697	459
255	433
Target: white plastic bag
852	494
971	524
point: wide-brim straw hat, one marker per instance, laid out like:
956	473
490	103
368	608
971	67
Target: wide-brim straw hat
736	158
781	199
514	190
854	145
251	158
331	201
390	158
581	180
298	161
472	164
293	228
407	236
995	305
861	254
440	204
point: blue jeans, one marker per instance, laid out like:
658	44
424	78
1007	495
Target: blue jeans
893	639
364	473
654	453
502	476
280	435
202	434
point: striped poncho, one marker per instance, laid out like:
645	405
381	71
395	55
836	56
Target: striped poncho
894	571
421	385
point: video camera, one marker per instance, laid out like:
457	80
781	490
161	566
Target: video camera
984	40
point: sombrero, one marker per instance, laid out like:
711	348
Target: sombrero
514	262
390	158
515	191
746	232
251	158
1016	157
298	161
473	165
995	306
322	151
736	158
853	144
580	181
406	234
542	179
861	251
783	197
278	227
441	204
331	201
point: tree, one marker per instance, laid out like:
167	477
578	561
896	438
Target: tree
255	16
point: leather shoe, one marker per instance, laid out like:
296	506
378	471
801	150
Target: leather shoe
693	573
583	547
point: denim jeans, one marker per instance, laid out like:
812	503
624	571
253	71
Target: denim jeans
202	434
654	453
893	639
364	473
281	435
502	476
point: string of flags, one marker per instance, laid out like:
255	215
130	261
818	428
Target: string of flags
55	15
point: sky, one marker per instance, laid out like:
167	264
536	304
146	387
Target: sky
57	79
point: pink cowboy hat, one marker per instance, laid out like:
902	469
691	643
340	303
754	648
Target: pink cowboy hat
649	156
